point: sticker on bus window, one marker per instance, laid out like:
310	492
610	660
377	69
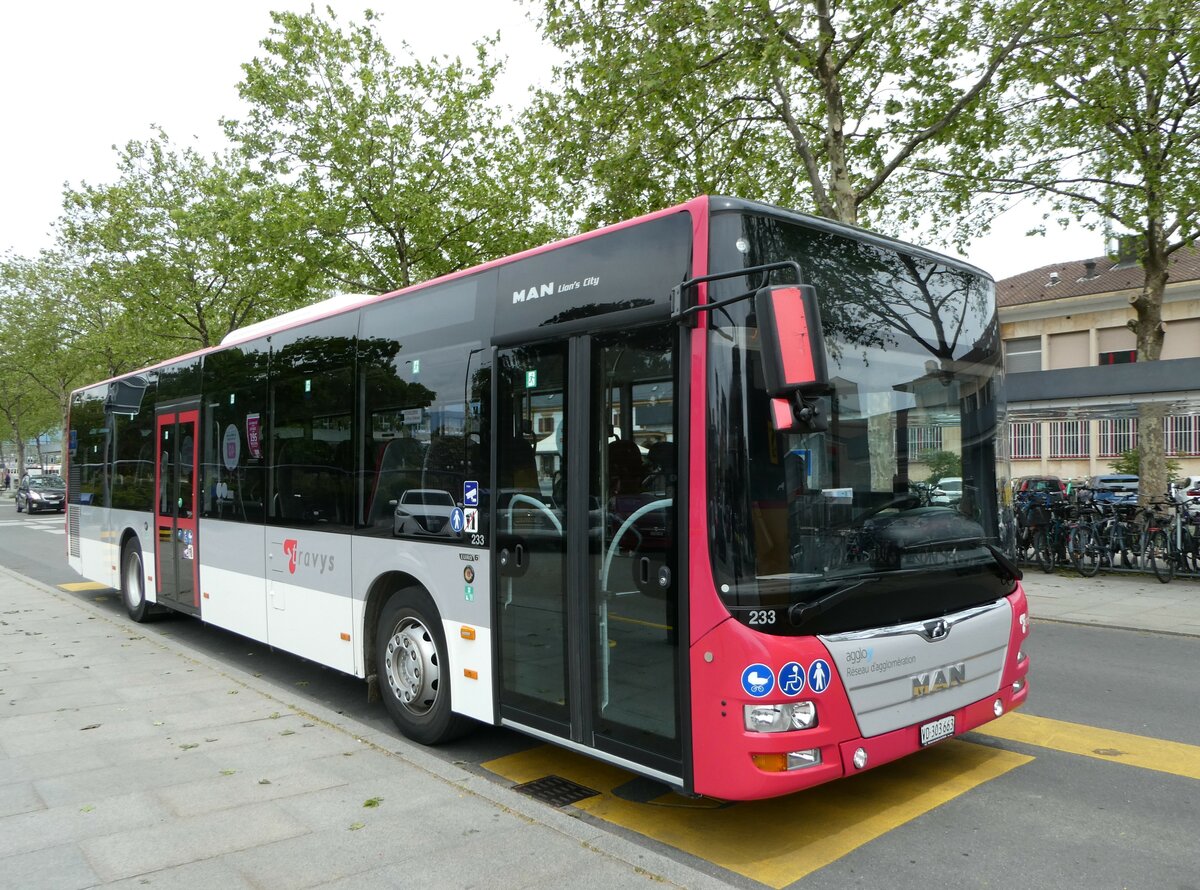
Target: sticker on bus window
253	440
231	447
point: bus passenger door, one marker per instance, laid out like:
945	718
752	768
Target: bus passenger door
531	529
175	541
632	574
587	591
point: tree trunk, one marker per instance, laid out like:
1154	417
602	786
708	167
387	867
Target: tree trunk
1148	327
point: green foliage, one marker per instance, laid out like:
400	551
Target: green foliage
818	106
40	361
942	464
403	171
1110	131
1129	462
182	249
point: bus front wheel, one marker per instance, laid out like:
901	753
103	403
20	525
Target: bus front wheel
413	670
133	588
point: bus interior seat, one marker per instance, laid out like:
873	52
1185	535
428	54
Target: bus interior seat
395	462
626	469
662	478
519	465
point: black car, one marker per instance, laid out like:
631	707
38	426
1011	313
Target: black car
42	493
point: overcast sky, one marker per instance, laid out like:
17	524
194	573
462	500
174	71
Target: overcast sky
80	77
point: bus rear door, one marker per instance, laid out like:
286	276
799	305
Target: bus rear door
175	540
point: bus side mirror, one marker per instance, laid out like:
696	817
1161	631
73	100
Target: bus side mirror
793	355
789	329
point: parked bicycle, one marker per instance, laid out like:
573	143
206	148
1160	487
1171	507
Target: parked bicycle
1050	540
1172	547
1105	534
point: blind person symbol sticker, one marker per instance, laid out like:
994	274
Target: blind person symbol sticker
818	675
758	680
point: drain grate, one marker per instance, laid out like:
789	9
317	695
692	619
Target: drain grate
555	790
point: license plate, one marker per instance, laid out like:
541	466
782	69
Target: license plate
937	730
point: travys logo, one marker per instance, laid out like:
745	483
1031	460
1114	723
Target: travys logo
311	559
291	549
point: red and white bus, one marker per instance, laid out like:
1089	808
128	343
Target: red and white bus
657	493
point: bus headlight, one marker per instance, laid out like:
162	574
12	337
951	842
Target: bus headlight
781	718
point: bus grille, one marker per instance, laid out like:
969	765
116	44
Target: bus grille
73	530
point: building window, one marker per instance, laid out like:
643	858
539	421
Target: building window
1116	346
1181	434
1119	357
1068	438
922	440
1118	435
1025	440
1023	354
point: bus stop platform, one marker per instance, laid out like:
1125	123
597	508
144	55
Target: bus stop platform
129	759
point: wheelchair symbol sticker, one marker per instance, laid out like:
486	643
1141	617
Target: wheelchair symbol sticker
758	680
791	678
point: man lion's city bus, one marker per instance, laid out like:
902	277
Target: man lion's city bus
656	493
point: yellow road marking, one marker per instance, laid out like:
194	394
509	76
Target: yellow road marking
1176	758
781	840
84	585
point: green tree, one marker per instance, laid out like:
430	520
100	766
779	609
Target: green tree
40	358
405	171
1111	134
1129	462
188	247
942	464
809	103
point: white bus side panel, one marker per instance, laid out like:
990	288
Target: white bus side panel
471	695
233	586
99	543
309	584
442	570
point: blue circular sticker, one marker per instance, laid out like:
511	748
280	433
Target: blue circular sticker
818	675
758	680
791	678
457	520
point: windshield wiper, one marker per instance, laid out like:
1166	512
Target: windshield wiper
1002	560
802	612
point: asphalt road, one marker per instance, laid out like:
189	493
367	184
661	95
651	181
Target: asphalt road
1053	816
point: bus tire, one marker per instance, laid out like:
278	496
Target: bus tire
133	582
413	669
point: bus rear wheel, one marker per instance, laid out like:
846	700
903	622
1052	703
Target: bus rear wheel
133	586
413	669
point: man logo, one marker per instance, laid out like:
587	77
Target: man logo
937	630
939	679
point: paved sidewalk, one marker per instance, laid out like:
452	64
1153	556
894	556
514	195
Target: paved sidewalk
1132	601
126	761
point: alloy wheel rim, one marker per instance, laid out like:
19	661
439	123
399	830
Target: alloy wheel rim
411	666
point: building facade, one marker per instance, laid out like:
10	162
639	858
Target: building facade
1074	384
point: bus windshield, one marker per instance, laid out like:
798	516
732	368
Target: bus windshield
841	524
